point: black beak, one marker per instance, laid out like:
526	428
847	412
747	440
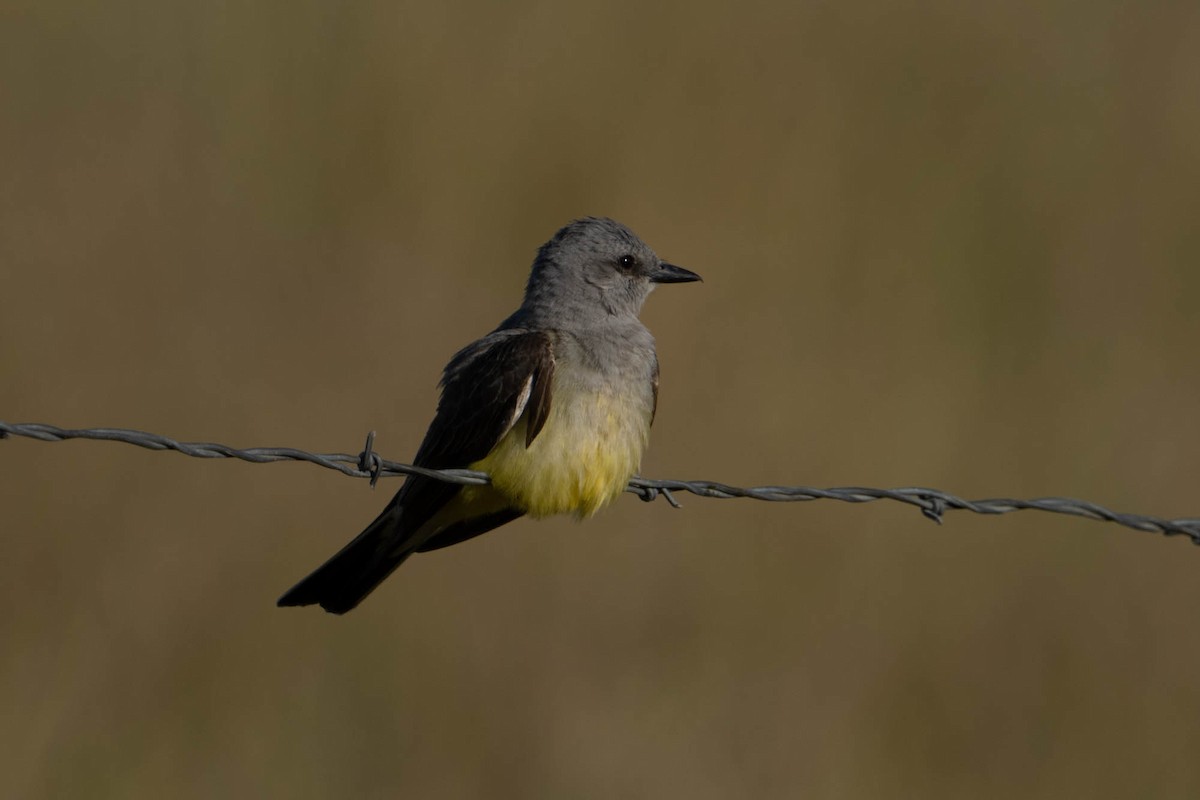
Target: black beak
669	273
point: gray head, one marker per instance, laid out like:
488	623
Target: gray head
592	269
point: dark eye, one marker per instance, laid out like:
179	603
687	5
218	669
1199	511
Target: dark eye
627	263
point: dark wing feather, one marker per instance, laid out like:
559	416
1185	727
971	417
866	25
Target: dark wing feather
485	389
538	408
484	392
654	387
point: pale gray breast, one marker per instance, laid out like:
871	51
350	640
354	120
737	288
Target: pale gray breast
616	359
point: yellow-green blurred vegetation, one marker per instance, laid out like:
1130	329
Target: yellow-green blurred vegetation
946	244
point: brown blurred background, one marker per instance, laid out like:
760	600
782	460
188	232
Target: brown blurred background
948	244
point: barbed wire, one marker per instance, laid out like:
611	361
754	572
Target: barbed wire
933	503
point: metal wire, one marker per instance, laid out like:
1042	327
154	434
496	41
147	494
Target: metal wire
933	503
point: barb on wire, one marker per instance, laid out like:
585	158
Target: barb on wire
933	503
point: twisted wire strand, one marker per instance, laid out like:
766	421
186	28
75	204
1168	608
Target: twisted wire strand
933	503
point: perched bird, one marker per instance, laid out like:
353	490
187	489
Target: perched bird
555	405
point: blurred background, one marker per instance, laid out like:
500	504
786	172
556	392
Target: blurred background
945	244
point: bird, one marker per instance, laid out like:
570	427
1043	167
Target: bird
555	404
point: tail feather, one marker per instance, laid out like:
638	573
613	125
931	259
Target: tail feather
353	572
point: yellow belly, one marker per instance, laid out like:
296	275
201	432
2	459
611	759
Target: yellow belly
589	448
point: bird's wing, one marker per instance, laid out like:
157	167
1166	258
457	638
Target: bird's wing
654	390
486	388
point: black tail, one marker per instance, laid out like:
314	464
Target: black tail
343	581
